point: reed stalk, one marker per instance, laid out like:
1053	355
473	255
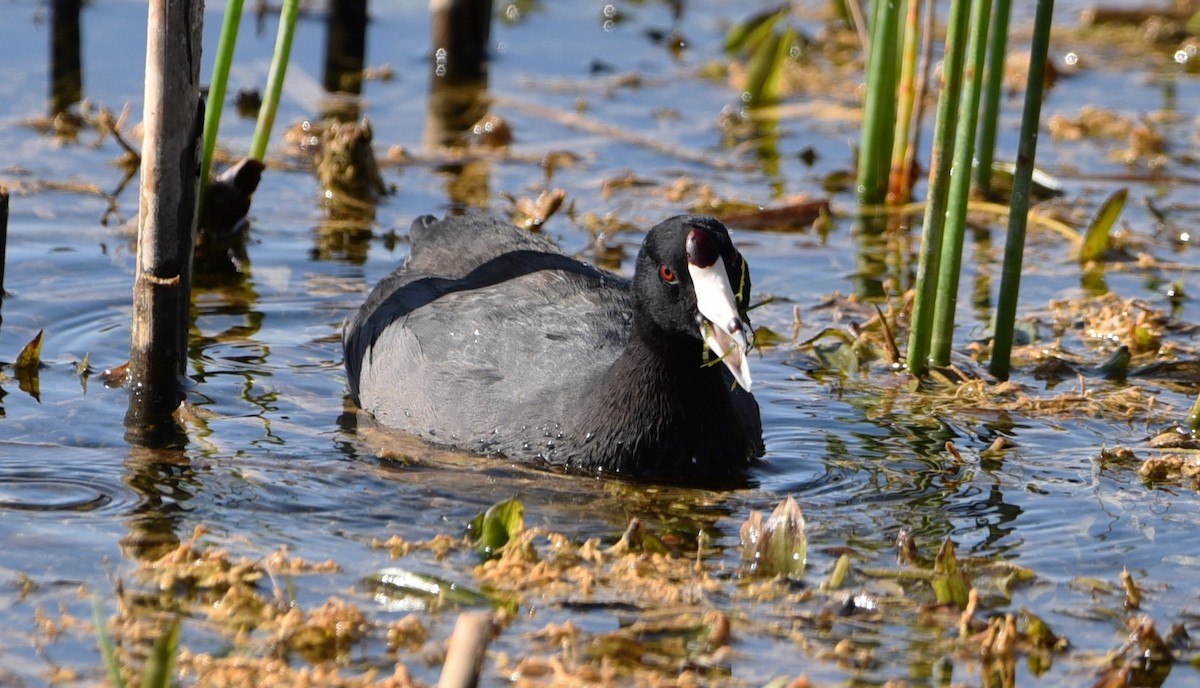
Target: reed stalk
216	89
879	106
899	180
939	180
279	64
1014	246
918	114
172	121
950	264
990	122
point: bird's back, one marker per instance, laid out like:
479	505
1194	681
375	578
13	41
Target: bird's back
485	328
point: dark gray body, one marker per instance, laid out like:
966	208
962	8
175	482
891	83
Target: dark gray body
490	339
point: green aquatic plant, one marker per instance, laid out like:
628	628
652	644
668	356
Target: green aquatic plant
932	227
767	43
1014	246
160	664
216	89
279	65
1096	239
950	265
992	95
777	546
493	529
879	107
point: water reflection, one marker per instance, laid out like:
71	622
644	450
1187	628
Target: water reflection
164	482
66	71
345	46
458	81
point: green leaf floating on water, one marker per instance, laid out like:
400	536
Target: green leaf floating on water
413	591
494	528
779	546
950	584
1095	241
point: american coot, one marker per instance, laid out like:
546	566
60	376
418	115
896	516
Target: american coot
492	340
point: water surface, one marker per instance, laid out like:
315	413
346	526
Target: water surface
274	460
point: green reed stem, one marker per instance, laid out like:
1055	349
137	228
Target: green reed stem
1014	246
880	105
1002	11
216	89
279	63
909	164
960	189
899	186
108	651
939	181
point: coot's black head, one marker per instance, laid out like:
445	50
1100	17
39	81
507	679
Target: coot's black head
690	282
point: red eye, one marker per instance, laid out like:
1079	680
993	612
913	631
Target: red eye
667	274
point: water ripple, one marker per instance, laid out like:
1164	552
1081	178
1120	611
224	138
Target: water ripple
54	479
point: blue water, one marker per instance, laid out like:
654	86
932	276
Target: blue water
272	460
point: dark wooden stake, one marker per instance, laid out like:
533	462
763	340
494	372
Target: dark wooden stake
172	120
3	235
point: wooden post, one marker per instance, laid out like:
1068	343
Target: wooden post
3	235
172	121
